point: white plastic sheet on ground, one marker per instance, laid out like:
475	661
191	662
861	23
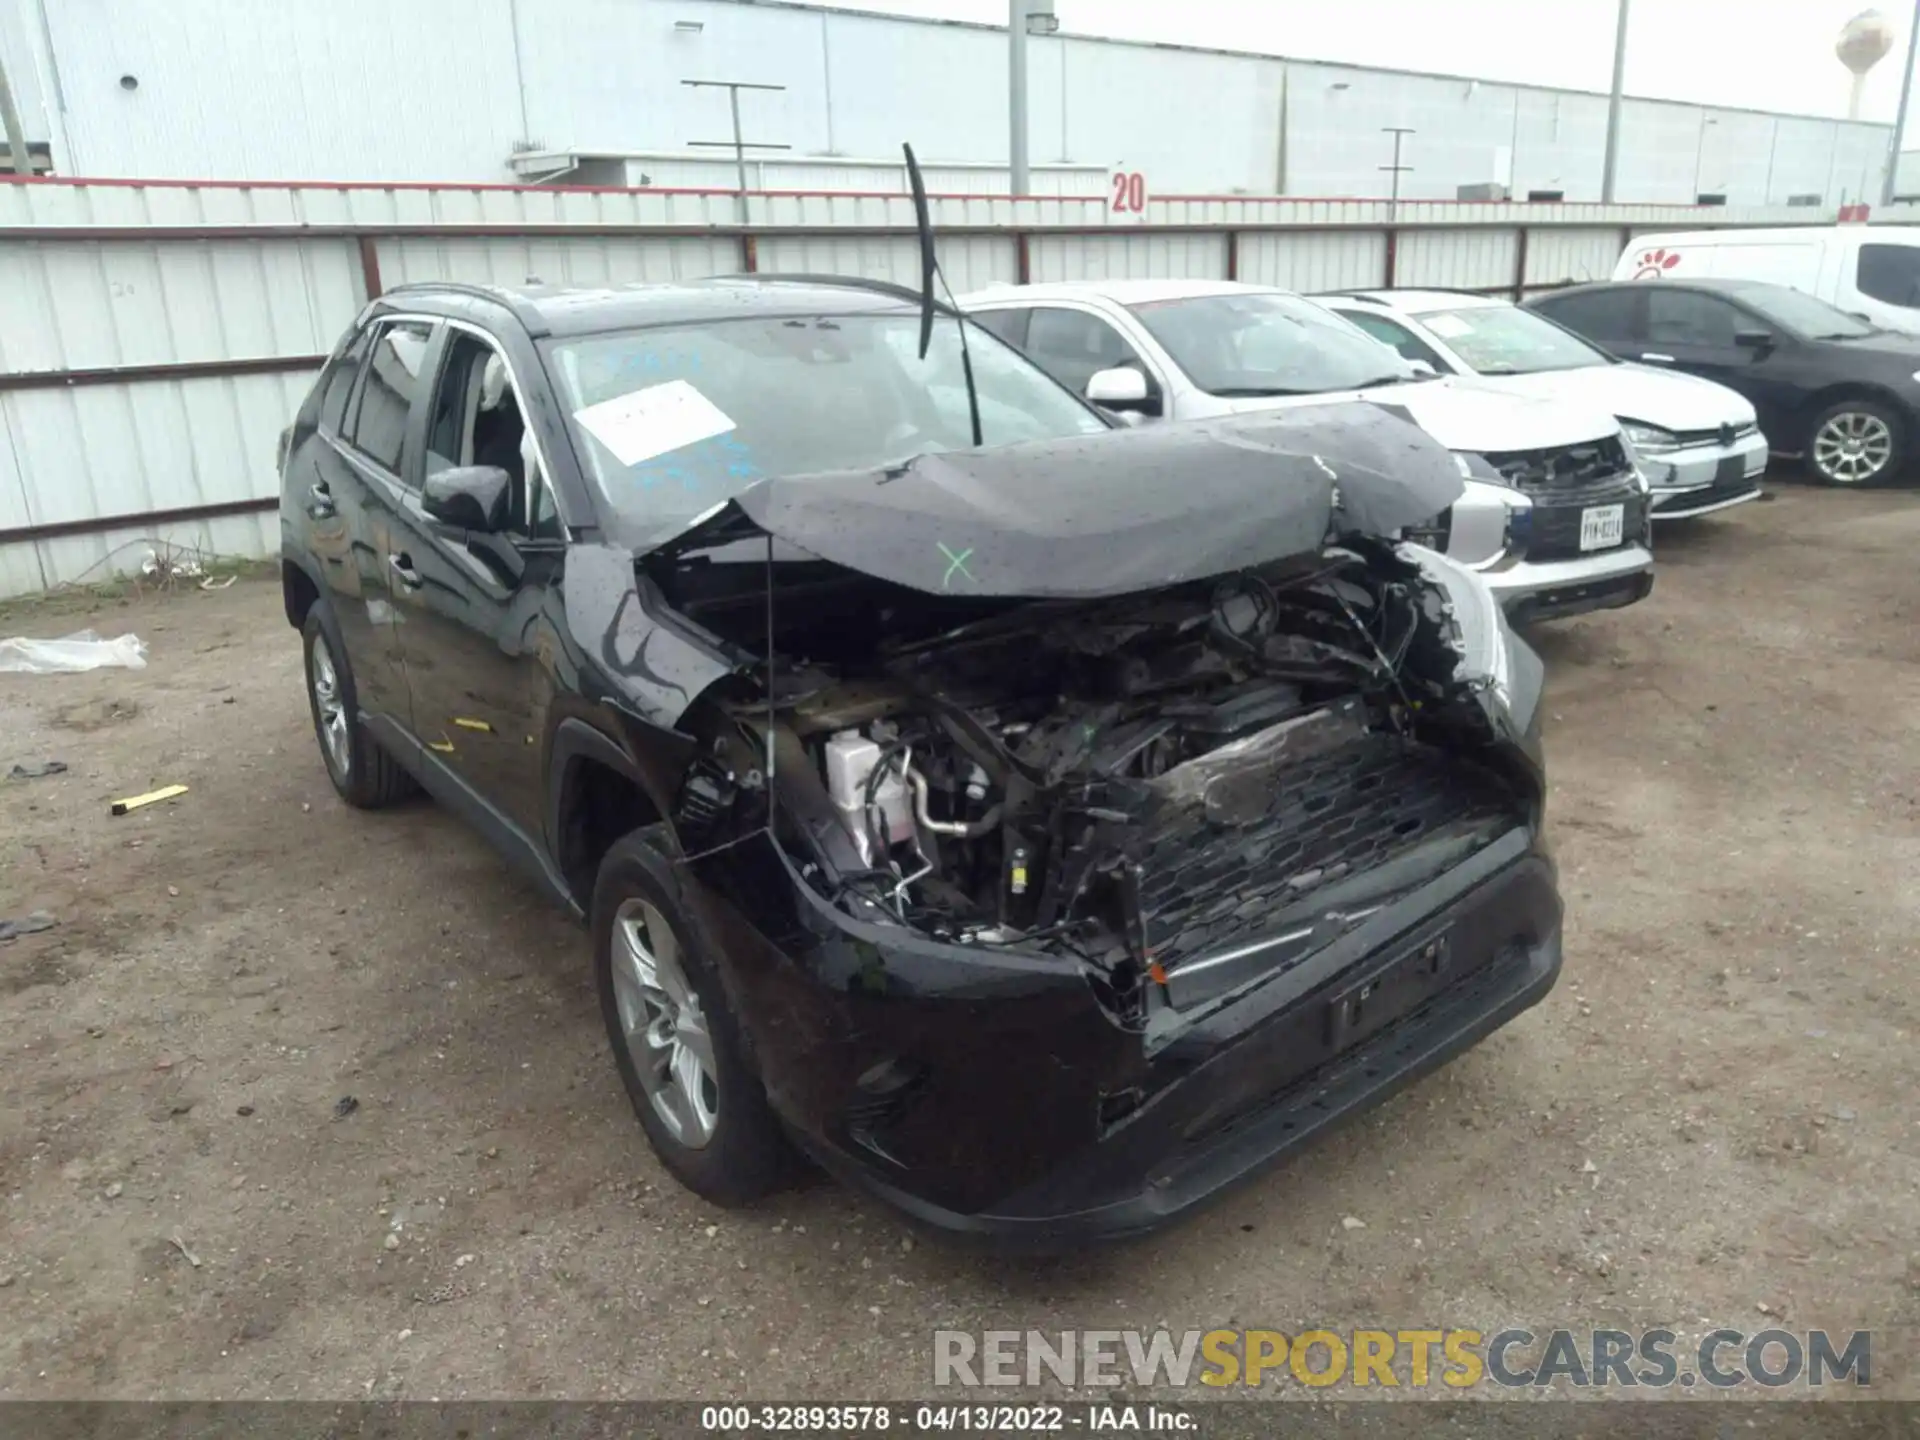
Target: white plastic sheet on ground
71	654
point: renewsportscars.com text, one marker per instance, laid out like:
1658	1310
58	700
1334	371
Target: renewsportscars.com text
1457	1359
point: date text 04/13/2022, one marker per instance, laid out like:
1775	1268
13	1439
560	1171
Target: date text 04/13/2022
929	1419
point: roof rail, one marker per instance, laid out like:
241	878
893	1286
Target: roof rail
522	310
849	282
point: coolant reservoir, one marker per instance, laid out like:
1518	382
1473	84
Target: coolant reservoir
851	757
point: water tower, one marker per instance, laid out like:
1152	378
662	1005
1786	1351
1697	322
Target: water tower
1864	42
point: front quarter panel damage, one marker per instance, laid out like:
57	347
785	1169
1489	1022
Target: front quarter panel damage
655	662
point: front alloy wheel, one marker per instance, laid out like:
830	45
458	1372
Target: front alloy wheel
1852	445
666	1032
677	1041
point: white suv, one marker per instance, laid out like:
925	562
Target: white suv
1554	517
1699	443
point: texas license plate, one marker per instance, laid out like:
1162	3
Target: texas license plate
1601	526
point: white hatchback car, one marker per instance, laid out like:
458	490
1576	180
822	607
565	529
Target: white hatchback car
1698	442
1554	515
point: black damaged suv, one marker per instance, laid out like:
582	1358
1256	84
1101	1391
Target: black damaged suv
1040	823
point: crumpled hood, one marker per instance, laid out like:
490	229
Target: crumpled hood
1466	413
1117	512
1646	393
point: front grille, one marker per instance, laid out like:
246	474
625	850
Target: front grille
1564	472
1206	886
1555	533
1718	435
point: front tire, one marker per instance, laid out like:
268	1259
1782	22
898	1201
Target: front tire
1856	443
363	774
674	1036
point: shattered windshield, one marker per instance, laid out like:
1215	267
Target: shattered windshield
672	422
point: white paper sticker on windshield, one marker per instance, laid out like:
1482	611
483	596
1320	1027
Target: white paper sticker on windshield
1448	327
644	423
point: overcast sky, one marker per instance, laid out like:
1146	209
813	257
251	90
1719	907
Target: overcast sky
1764	54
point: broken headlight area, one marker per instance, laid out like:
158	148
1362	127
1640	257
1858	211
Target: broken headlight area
1186	790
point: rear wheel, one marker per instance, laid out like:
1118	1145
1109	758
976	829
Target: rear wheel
364	775
675	1039
1856	442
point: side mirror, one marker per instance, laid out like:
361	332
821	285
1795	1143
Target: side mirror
1121	388
1761	340
468	497
1424	370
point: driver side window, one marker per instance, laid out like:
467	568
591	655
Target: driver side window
1686	317
1072	346
476	420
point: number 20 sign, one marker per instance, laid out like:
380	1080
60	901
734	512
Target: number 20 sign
1129	192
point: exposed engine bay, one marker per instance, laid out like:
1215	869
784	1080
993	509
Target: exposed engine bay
1137	781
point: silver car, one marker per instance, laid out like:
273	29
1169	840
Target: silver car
1698	442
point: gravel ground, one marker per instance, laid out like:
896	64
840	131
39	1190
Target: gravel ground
1708	1123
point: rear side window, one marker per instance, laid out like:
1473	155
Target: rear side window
338	384
391	382
1599	314
1890	274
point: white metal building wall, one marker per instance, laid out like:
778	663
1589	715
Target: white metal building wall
1555	257
86	451
1311	261
444	90
1457	259
71	455
154	339
784	173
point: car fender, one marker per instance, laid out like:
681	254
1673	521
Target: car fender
574	739
296	555
1858	390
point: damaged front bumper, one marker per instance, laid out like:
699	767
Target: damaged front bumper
1527	553
1274	1071
1536	590
993	1099
1014	1097
1703	478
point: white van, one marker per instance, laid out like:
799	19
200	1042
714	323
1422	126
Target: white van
1872	271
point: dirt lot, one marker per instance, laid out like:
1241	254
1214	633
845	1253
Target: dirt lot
1710	1122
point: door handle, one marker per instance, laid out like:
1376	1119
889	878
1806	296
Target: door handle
1657	358
320	501
402	567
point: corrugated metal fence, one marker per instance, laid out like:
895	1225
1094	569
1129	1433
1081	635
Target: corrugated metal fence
154	338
